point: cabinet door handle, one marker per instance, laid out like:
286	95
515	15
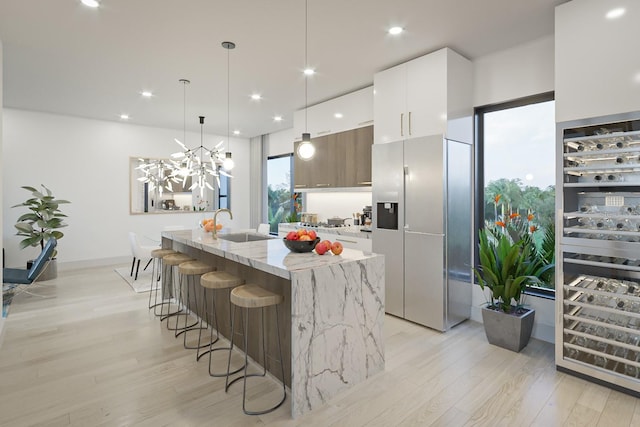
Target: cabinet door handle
364	183
401	124
299	185
409	123
322	185
348	241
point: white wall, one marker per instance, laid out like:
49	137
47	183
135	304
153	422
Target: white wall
598	70
502	76
524	70
280	142
87	162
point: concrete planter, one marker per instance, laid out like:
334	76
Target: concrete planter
50	272
508	331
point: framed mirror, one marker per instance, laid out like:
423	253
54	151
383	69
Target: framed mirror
153	189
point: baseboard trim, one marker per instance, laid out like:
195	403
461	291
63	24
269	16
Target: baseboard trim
102	262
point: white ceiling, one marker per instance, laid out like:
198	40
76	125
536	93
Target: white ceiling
62	57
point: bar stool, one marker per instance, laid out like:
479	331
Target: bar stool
216	280
247	297
171	261
189	270
156	275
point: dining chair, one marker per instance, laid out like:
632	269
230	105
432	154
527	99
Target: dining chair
139	252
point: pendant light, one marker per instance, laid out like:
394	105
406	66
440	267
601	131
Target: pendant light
306	149
228	163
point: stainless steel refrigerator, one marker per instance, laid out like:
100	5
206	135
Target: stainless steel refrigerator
422	210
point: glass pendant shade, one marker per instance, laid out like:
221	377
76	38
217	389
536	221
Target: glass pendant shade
306	149
228	163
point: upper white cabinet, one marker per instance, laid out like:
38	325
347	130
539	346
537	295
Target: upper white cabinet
597	67
425	96
351	111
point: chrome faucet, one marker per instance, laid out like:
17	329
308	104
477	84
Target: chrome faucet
215	216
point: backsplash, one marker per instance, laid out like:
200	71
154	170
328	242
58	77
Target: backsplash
337	204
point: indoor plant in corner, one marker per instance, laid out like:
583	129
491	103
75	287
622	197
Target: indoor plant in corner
41	223
506	268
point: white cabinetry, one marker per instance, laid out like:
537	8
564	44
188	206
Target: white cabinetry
425	96
596	67
356	110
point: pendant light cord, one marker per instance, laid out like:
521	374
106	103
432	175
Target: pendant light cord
306	63
228	84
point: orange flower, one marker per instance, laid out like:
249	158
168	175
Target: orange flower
496	199
533	228
530	217
501	224
514	215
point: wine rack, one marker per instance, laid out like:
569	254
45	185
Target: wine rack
598	257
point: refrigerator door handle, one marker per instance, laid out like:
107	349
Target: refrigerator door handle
404	195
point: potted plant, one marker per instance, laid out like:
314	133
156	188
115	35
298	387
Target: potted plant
506	268
41	223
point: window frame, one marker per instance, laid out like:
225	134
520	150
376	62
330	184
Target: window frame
291	172
479	202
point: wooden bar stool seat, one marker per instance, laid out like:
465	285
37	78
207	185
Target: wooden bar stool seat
216	280
188	271
173	260
156	277
252	296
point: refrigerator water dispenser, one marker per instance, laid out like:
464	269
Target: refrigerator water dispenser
387	215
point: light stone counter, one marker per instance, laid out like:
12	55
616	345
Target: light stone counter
337	311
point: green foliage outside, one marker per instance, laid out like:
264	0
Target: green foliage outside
524	213
282	206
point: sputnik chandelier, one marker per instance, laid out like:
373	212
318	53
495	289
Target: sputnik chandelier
157	173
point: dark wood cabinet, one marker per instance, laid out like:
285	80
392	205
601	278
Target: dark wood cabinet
341	160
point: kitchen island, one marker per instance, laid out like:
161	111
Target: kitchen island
333	309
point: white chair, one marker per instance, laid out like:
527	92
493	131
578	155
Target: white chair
263	229
139	253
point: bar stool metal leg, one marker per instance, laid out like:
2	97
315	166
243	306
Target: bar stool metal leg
197	324
229	349
253	296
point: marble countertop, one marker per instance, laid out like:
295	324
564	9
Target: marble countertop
349	230
270	256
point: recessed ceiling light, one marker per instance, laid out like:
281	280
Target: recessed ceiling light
277	118
394	31
338	115
124	116
146	94
309	71
236	132
91	3
615	13
256	97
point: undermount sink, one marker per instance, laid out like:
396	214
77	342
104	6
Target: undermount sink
244	237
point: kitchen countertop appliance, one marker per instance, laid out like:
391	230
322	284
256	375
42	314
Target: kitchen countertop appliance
422	223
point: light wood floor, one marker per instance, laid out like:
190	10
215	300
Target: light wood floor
92	354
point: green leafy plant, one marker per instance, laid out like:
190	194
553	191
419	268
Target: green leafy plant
505	269
43	219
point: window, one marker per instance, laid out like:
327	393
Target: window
515	173
224	193
283	204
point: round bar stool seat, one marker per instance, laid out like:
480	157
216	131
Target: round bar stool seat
216	280
190	269
194	267
174	260
252	296
156	256
160	253
220	280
